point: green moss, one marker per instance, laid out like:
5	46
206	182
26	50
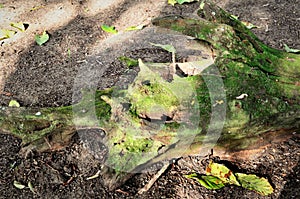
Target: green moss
270	79
288	75
134	137
129	61
103	110
239	117
30	126
127	149
152	97
171	126
196	28
203	96
33	124
137	145
92	109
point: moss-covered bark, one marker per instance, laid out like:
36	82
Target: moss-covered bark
45	129
268	80
269	77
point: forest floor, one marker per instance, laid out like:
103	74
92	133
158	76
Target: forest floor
43	76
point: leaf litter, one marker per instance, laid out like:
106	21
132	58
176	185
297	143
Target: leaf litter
218	176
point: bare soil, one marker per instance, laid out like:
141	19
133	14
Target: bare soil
44	76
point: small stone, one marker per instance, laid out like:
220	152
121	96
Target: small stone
291	142
38	113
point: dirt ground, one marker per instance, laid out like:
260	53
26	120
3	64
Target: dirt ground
44	76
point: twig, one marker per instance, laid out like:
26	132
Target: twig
94	176
122	192
48	143
154	179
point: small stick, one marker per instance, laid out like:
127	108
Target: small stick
48	143
154	179
122	192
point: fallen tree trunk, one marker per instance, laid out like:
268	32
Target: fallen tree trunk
269	78
249	92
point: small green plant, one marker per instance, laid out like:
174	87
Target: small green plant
218	176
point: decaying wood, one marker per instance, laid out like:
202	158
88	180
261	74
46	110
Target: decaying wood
262	95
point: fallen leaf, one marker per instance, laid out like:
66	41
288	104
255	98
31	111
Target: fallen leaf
209	182
219	101
20	26
109	29
31	187
6	93
41	39
290	50
195	67
202	4
222	172
167	47
246	23
5	34
86	10
172	2
13	103
18	185
36	8
185	1
249	25
255	183
234	17
218	175
131	28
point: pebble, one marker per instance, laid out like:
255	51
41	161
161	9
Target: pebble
38	113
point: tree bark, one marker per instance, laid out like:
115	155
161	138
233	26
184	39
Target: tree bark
261	99
269	77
